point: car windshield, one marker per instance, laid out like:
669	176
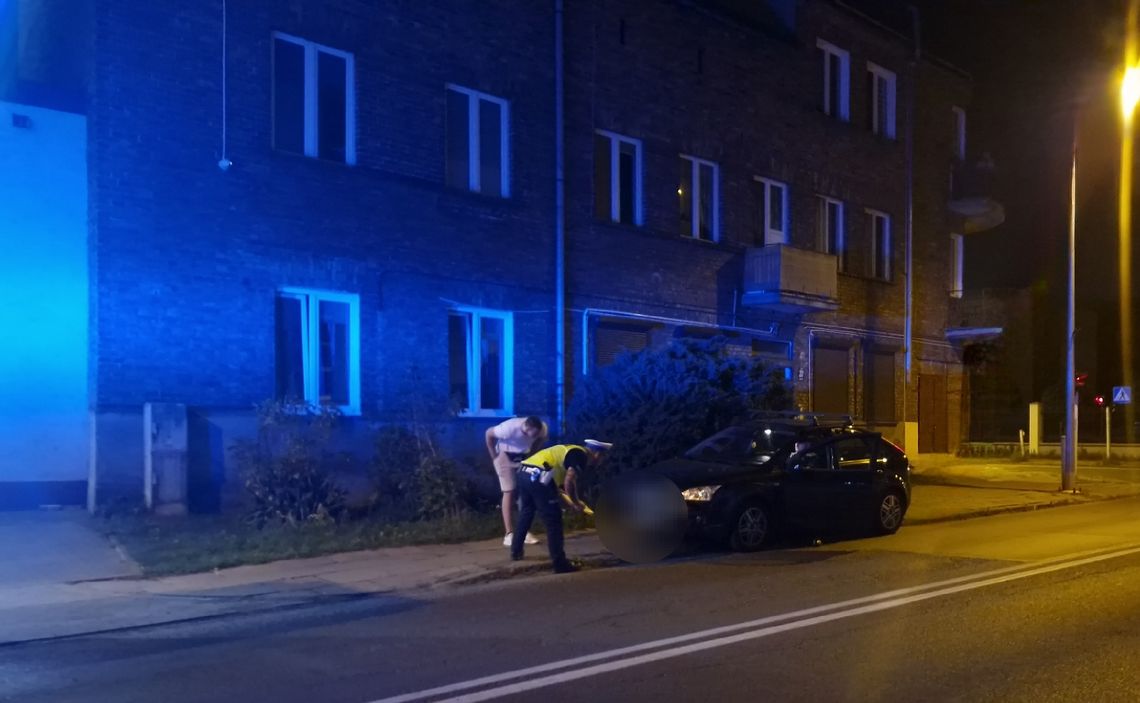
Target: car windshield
736	443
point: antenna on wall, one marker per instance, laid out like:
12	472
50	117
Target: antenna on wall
224	163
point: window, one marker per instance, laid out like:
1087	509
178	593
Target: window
481	361
957	257
830	235
314	102
881	108
879	386
318	348
773	212
697	195
879	226
959	133
836	81
478	142
617	178
852	453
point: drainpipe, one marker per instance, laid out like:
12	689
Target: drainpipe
559	232
908	334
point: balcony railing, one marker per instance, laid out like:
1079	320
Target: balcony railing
786	279
972	196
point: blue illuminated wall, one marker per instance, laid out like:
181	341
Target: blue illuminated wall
44	289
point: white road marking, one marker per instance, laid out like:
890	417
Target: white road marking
752	629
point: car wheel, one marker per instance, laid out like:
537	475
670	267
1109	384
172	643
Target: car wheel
889	516
750	529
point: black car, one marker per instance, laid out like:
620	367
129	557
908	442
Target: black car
747	481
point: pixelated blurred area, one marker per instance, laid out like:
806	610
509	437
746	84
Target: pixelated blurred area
641	517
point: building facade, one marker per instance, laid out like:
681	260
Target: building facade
449	214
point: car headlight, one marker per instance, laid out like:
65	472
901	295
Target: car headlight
700	494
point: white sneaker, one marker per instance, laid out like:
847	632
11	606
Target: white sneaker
507	539
530	539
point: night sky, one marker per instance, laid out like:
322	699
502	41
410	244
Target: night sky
1038	65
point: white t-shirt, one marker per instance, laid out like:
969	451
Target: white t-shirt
511	436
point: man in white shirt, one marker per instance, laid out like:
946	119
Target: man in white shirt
508	443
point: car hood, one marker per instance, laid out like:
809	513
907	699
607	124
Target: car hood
688	473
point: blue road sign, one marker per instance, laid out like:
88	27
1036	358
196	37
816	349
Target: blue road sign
1122	395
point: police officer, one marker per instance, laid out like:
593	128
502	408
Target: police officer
546	480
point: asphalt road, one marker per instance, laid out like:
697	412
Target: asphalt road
1037	607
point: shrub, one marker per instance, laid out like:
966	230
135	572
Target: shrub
284	467
657	403
414	480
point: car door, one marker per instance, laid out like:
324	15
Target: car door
855	464
808	486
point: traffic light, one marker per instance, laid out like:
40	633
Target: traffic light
1099	400
1081	378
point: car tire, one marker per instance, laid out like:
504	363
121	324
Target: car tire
889	513
751	527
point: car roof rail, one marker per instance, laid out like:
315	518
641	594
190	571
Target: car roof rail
811	419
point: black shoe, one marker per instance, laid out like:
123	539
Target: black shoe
566	568
516	557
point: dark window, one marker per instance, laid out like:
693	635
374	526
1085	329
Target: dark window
332	106
685	197
705	213
627	179
458	334
491	363
490	149
602	184
290	342
288	96
879	387
612	339
829	381
852	453
334	357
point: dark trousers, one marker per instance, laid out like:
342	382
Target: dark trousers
541	498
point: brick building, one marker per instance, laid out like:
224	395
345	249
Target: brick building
394	208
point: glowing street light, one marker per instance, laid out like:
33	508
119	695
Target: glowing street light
1129	97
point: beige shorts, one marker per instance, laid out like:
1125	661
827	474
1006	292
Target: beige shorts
506	469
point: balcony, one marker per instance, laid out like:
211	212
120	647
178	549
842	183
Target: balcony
988	312
973	207
789	280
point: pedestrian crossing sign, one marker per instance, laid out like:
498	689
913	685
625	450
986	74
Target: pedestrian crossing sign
1122	395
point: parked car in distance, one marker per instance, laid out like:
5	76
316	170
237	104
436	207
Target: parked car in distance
748	481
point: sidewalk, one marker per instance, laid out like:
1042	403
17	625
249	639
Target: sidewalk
102	593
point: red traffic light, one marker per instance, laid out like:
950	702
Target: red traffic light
1099	400
1080	379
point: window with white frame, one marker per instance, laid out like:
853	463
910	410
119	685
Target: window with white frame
836	80
318	348
879	226
830	235
314	100
698	192
773	211
478	142
957	257
617	178
480	347
959	133
881	107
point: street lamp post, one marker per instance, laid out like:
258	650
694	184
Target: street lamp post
1069	456
1129	96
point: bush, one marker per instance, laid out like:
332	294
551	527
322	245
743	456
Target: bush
413	480
284	467
657	403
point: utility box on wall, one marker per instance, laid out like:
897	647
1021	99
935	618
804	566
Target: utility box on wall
166	459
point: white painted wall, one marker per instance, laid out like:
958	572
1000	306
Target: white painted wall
43	296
